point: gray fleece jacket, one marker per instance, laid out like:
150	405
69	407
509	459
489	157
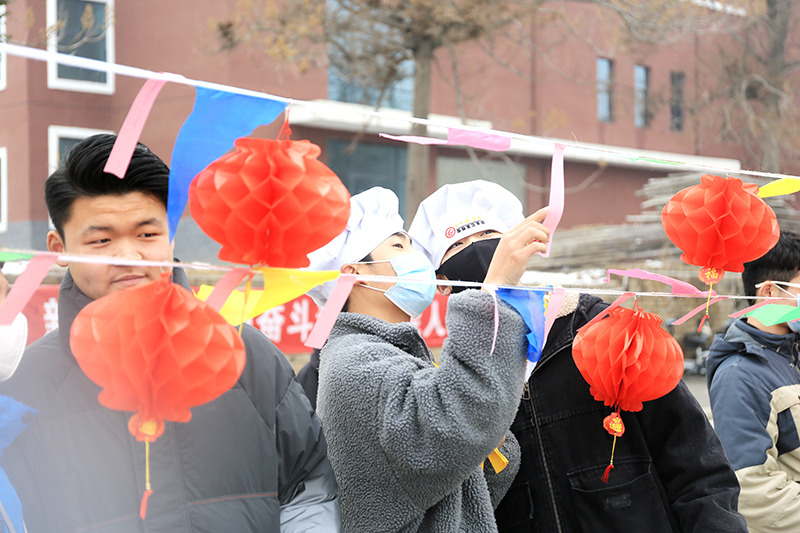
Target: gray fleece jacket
406	439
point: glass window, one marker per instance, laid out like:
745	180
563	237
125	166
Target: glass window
61	139
641	88
459	169
3	189
3	54
364	165
676	101
84	29
356	78
399	96
605	90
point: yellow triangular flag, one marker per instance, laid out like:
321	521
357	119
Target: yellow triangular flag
779	187
281	285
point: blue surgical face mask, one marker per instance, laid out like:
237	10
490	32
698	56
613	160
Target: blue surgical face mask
412	298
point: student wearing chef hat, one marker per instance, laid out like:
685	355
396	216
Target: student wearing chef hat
407	439
672	475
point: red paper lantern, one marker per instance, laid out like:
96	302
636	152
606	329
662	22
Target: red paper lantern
627	358
156	350
720	224
269	202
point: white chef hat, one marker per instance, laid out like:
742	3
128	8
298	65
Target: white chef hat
374	218
458	210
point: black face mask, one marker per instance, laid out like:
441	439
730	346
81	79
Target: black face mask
471	263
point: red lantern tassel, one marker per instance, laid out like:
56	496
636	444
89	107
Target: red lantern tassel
604	479
143	508
148	491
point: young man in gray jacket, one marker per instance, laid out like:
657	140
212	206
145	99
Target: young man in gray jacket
254	459
408	440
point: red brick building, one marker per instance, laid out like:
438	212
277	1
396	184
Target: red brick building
590	89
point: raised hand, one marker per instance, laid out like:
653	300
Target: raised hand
515	249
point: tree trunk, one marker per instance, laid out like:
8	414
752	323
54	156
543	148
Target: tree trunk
418	162
778	12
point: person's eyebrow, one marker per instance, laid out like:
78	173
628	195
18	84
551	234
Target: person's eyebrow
403	235
93	228
151	222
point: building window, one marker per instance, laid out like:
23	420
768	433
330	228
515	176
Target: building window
3	189
356	74
676	101
460	169
61	139
605	90
641	88
400	95
84	29
3	39
364	165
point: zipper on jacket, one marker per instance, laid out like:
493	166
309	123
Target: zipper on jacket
526	391
541	447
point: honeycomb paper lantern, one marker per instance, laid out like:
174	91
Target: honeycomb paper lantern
627	358
156	351
720	224
269	202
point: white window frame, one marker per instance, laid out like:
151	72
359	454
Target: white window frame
53	81
3	189
3	56
56	133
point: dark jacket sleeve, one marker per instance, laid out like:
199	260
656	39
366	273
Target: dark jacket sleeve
307	489
700	484
308	377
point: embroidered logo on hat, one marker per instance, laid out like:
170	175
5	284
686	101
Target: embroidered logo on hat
463	225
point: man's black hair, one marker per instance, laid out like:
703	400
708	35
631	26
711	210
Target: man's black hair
781	263
81	174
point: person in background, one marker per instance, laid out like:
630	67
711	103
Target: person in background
408	440
14	416
754	386
670	472
253	459
308	377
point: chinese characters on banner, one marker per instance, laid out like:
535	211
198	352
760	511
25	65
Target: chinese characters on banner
287	325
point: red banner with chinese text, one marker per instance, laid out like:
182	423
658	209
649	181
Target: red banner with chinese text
287	325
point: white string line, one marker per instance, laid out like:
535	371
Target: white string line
134	72
116	261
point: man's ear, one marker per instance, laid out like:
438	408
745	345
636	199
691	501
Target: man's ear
56	244
348	269
766	290
443	289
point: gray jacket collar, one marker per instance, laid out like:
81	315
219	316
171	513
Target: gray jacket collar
403	335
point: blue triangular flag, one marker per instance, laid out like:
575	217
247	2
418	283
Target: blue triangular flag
529	303
218	118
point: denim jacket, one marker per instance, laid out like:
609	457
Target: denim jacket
670	472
